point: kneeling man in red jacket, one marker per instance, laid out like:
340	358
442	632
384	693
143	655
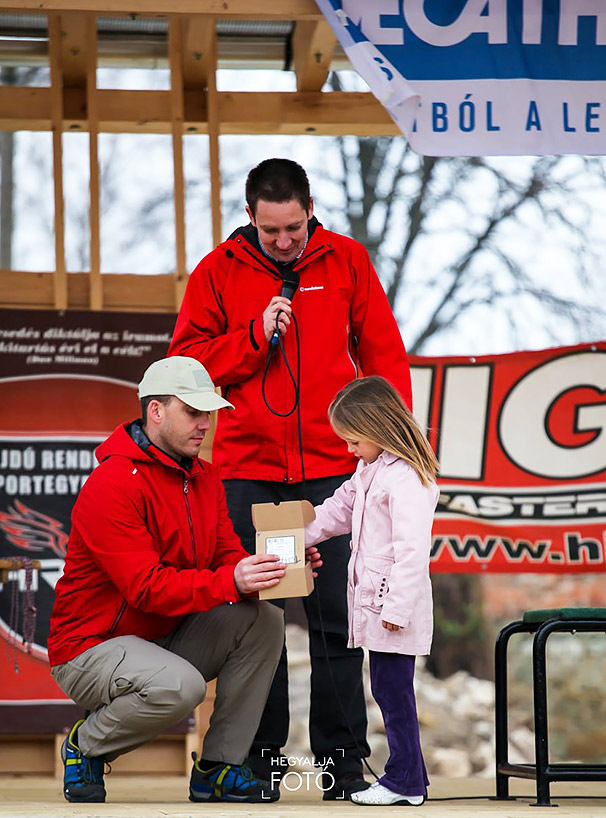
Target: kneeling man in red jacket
157	598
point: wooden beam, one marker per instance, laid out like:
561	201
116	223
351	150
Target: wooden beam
338	113
29	290
74	43
56	116
126	291
164	756
221	9
214	118
331	114
199	33
26	110
8	566
313	48
175	52
96	286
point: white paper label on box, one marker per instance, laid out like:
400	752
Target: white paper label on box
284	547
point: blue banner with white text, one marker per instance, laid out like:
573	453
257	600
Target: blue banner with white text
483	77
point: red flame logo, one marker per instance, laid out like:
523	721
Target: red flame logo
31	530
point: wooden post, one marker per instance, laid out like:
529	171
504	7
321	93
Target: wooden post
96	283
60	277
313	48
175	49
213	140
58	769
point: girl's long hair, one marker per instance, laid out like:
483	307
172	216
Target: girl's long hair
371	409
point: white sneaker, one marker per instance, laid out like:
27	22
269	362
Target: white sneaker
379	796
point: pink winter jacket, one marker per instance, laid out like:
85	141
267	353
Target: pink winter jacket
389	513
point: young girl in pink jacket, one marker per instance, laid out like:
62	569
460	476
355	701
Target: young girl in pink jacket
388	507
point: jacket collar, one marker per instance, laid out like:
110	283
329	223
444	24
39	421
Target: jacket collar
388	457
385	458
366	472
136	431
244	244
249	232
129	440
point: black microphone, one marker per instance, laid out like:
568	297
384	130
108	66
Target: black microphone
290	282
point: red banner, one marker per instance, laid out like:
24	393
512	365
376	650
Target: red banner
67	379
521	440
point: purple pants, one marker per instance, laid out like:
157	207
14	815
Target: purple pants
391	680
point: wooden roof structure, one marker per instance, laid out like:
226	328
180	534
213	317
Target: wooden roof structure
73	34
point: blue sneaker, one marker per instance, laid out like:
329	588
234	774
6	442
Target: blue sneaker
229	782
83	776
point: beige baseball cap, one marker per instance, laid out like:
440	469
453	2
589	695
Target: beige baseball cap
186	379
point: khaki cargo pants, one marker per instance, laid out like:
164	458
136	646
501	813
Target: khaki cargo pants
135	689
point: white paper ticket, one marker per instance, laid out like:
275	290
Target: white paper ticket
283	547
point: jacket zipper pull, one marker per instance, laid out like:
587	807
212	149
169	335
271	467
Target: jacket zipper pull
185	484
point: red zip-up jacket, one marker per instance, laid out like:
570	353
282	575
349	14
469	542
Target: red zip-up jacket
151	541
346	329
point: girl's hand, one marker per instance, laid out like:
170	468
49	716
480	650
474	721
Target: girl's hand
389	626
313	556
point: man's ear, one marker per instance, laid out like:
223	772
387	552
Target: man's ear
250	215
310	211
154	412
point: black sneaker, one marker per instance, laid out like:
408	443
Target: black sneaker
229	782
339	789
83	776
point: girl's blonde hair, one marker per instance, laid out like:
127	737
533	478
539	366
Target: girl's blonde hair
371	409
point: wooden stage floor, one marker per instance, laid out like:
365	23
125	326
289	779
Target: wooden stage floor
159	797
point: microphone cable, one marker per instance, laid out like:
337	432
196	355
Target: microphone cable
336	691
296	382
296	406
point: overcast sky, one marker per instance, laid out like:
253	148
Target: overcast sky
138	219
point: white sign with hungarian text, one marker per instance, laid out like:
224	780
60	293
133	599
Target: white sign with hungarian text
483	77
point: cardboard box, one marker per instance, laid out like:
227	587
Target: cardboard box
280	530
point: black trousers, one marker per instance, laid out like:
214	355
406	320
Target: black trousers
326	609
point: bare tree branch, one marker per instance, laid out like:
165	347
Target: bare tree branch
407	210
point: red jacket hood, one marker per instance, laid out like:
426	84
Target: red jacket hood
121	444
241	245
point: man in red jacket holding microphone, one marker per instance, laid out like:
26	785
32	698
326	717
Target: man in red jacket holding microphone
156	599
283	314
